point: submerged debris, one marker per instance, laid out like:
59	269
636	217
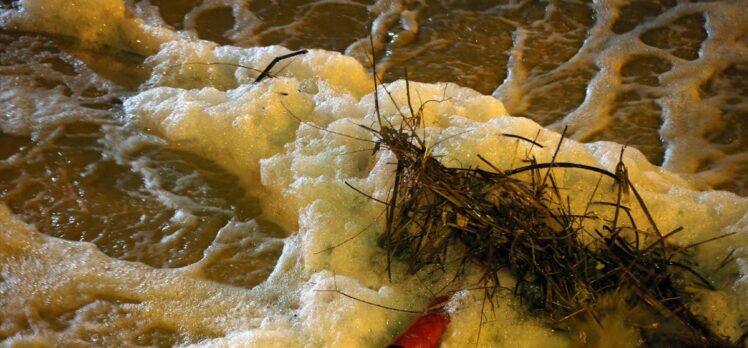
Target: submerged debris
439	216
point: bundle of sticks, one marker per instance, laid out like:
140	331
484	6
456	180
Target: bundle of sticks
518	221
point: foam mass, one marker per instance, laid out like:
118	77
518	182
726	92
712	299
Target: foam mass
296	138
88	22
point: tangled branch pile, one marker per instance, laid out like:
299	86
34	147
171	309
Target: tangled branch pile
438	215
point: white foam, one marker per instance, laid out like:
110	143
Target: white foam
306	170
91	22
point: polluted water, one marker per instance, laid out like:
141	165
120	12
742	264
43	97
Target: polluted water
155	192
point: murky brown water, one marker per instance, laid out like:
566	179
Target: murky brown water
151	204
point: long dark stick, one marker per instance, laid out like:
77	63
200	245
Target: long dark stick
265	73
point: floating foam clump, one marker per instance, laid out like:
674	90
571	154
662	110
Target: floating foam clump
307	168
89	22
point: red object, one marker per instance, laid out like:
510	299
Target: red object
427	330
